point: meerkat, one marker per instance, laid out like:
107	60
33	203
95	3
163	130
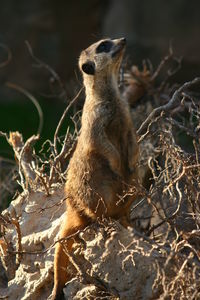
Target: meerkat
104	162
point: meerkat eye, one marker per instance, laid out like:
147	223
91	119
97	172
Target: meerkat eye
104	47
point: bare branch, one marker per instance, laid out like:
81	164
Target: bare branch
9	55
24	155
63	117
40	64
174	101
34	101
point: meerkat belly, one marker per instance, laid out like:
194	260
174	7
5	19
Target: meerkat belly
93	185
119	139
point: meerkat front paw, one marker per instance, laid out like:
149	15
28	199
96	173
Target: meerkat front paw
115	164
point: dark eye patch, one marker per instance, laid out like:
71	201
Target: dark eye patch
104	47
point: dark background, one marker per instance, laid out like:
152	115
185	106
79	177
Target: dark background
58	30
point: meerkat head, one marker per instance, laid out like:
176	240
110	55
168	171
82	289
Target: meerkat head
103	57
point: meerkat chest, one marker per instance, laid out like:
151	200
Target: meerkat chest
120	121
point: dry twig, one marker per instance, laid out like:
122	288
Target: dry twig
174	101
9	56
34	101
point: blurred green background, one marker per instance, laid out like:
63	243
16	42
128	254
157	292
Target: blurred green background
22	116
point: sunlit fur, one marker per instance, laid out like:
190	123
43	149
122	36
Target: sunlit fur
104	162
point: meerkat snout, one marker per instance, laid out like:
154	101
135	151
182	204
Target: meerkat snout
118	46
123	40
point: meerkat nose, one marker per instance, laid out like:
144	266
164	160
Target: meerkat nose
123	40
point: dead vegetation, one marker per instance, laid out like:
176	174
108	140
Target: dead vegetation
159	258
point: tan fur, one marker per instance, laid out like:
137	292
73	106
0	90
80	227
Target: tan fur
104	162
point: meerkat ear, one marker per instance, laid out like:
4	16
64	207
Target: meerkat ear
88	67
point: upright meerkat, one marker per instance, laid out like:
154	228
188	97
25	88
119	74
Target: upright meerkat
104	163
